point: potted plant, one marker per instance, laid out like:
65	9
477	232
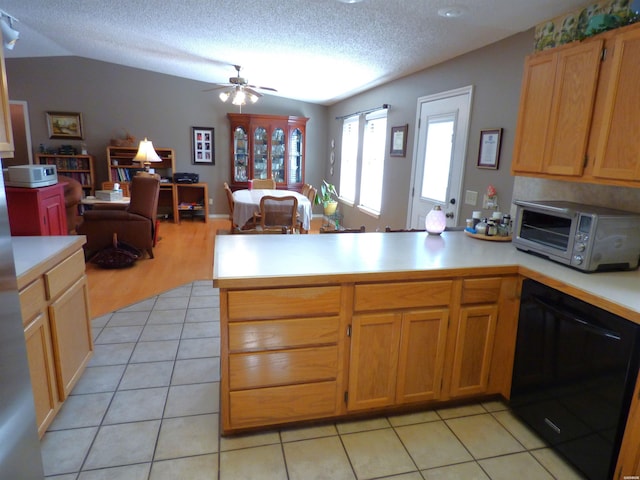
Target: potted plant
326	199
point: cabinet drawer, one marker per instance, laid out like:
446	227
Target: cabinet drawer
481	290
283	302
273	334
60	277
32	300
387	296
265	369
268	406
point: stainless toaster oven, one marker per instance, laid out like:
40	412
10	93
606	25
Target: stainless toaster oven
586	237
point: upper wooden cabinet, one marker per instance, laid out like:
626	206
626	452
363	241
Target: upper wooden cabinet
617	155
556	103
7	148
576	105
267	146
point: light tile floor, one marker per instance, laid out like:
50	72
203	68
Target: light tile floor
147	408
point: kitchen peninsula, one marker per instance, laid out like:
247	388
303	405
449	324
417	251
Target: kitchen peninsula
326	326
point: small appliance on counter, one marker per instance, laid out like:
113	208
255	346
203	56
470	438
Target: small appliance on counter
585	237
31	176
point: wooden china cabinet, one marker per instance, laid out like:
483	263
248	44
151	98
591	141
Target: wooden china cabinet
267	146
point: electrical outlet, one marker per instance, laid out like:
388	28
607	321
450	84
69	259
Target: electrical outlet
490	204
211	201
470	197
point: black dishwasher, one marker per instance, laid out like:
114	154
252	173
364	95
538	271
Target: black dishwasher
574	372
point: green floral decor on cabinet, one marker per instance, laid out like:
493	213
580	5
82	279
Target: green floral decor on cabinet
580	24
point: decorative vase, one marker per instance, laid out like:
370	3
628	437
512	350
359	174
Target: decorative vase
330	208
436	221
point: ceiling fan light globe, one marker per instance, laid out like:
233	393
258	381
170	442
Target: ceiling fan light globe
253	98
224	96
239	98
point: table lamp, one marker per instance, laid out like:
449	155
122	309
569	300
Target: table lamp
146	154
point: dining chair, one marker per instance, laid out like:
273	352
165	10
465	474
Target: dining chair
343	230
389	229
230	202
276	213
311	194
124	186
305	189
263	183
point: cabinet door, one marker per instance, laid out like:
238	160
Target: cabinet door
421	363
41	368
54	214
473	350
556	104
260	151
374	360
296	156
574	93
618	147
71	332
277	155
6	133
240	159
533	116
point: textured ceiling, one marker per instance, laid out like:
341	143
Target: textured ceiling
319	51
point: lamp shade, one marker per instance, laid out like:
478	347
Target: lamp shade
146	154
436	221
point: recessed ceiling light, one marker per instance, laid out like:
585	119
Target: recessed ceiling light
350	1
453	12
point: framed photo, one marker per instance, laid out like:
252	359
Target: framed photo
489	151
203	144
398	141
65	125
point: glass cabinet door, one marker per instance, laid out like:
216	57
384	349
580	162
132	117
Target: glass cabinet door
277	155
296	147
240	155
260	153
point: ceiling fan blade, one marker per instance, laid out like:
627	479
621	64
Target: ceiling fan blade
252	91
263	88
215	88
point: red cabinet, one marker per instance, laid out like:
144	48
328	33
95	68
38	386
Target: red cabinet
37	211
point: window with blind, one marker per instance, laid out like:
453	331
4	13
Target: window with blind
349	159
374	141
361	175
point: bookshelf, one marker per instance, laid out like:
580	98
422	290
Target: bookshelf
78	167
122	169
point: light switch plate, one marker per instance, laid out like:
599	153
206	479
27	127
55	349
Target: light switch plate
470	197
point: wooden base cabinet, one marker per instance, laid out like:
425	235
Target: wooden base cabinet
304	353
56	316
282	355
37	334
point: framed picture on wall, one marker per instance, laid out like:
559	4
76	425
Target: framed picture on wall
65	125
203	145
398	141
489	151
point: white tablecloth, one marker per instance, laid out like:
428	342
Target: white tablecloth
247	202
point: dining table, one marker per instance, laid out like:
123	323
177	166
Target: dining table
247	202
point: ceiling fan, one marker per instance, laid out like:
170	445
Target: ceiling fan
239	90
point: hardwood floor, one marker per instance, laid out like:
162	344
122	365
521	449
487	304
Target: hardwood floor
183	254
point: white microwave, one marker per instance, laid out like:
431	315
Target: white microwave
31	176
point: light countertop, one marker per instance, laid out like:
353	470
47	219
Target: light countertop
242	258
34	254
